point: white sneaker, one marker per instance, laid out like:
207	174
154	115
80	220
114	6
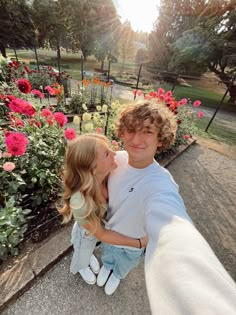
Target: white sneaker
112	284
103	276
88	276
94	264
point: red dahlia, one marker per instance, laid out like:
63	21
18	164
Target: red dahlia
24	86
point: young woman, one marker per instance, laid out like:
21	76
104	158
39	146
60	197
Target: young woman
89	160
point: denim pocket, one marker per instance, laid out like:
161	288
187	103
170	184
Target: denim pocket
132	254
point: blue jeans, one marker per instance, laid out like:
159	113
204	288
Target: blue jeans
84	246
120	260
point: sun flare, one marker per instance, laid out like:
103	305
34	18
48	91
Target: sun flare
141	13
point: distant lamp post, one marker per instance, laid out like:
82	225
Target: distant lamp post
58	49
82	66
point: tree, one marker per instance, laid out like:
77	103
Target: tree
211	44
50	20
83	25
16	25
126	42
141	56
175	16
108	30
141	37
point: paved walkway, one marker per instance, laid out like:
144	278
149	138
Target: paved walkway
207	184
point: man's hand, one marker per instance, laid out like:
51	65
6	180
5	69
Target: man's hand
144	240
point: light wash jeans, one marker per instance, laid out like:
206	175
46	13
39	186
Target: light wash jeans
120	260
84	246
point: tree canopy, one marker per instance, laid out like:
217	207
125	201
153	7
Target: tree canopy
196	35
17	29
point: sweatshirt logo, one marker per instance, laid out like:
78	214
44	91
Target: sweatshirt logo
131	189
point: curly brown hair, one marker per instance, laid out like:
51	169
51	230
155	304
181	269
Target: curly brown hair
144	114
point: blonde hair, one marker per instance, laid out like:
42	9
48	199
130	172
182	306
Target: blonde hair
146	113
79	175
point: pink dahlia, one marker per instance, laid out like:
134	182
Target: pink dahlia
7	154
60	118
168	94
197	103
18	105
153	94
139	93
70	133
8	99
8	166
99	130
160	92
24	86
16	122
200	114
38	93
183	102
16	143
46	113
50	90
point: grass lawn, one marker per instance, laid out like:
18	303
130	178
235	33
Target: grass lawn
217	131
69	62
207	97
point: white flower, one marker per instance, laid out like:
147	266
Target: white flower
84	107
114	105
86	117
76	120
96	119
96	115
112	127
104	108
88	127
99	108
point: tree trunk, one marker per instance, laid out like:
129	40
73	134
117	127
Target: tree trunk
3	50
15	54
232	94
227	80
102	64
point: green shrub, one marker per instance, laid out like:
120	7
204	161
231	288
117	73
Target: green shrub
13	224
75	104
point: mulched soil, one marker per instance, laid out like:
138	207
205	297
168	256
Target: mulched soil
44	221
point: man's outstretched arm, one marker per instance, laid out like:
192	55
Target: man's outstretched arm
183	275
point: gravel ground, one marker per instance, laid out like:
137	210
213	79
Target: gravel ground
207	183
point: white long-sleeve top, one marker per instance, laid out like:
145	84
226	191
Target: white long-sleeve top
183	275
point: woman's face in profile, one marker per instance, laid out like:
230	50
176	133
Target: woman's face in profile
105	159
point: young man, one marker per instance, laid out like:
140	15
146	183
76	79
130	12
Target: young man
183	276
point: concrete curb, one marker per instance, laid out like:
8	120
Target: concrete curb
15	281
